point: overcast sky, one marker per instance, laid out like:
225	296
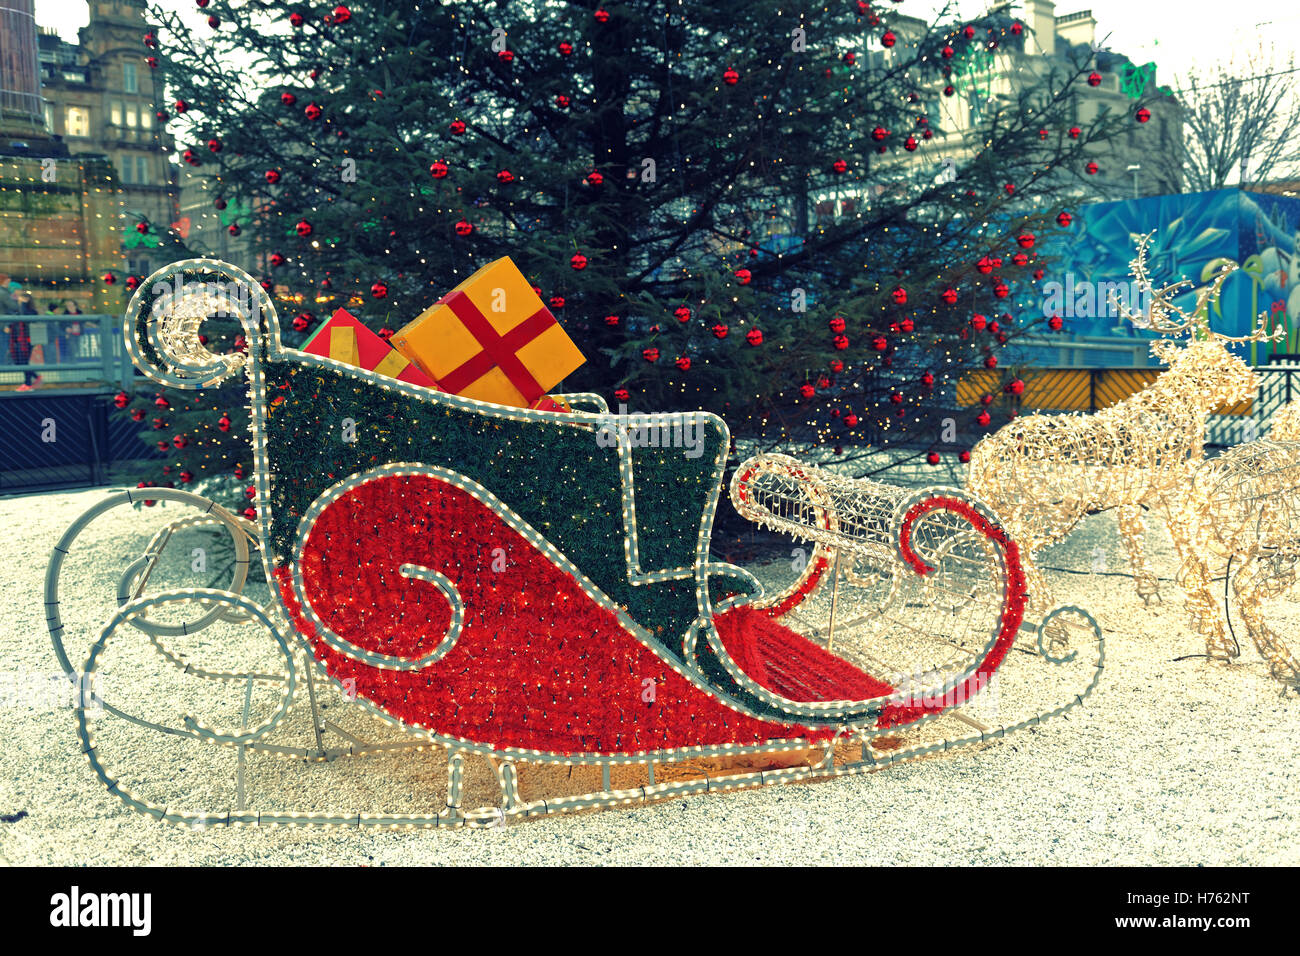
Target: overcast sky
1176	34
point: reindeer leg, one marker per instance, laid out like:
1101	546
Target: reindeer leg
1251	582
1132	527
1191	542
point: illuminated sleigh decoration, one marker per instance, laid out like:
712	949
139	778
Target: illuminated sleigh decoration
504	583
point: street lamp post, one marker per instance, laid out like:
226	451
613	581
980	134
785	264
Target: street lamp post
1134	168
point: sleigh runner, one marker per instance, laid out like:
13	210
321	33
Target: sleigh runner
497	581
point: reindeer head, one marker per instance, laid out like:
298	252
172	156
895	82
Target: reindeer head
1204	370
1209	374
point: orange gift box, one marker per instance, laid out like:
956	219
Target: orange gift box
491	339
344	339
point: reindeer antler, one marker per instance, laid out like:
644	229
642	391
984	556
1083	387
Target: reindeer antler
1162	305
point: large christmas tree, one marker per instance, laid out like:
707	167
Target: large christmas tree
755	210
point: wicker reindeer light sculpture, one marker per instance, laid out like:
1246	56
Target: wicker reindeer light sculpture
1043	473
1244	506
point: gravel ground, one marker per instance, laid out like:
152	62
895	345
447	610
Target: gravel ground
1168	762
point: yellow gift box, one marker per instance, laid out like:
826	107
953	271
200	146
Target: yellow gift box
491	339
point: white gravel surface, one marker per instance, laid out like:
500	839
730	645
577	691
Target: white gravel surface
1186	762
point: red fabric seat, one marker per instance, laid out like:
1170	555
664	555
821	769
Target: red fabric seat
787	663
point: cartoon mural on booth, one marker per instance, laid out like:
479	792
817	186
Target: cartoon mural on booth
1195	235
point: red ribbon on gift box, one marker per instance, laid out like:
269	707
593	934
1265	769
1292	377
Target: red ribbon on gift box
498	350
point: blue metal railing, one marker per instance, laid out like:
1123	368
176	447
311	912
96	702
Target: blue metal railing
63	349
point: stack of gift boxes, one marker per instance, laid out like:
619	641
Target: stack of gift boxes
491	339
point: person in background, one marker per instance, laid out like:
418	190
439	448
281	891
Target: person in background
7	306
74	328
20	339
59	335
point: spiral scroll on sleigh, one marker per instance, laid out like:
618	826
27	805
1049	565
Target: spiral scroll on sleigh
925	582
164	316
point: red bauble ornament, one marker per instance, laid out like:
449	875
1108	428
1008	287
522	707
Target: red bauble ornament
888	39
121	400
754	337
296	19
161	402
683	362
983	419
1092	169
731	77
214	21
949	295
650	355
224	423
611	320
906	325
505	176
1074	132
1142	115
899	295
556	302
233	229
933	458
109	278
132	282
991	362
464	228
896	398
978	322
578	261
300	322
565	48
561	102
1001	290
836	324
968	32
342	14
839	166
927	380
719	330
312	111
1015	387
601	15
949	90
272	176
438	169
303	228
841	342
214	145
190	157
836	366
806	390
288	99
682	313
594	178
743	276
910	144
1055	323
1025	240
879	133
984	265
880	343
379	290
850	420
947	52
186	477
1094	78
276	259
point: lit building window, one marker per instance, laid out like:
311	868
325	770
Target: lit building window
115	112
130	115
77	121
